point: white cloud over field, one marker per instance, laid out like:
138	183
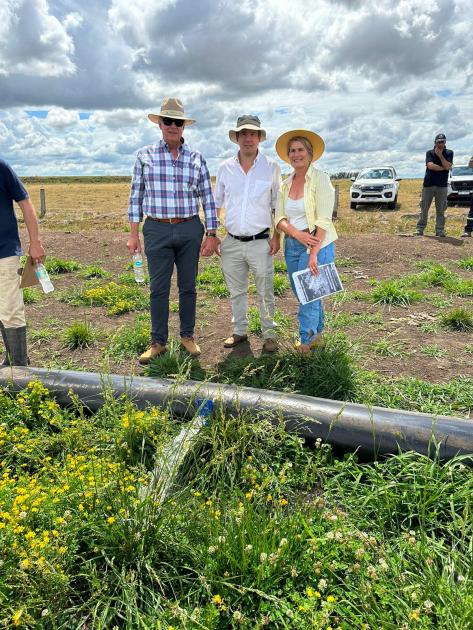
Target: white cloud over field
377	80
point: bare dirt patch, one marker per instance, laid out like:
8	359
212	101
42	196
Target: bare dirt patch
413	331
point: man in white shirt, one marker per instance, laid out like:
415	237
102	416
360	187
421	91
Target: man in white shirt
247	186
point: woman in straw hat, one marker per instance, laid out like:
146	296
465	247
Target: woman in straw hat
304	214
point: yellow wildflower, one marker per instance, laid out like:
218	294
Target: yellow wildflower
111	520
16	617
217	600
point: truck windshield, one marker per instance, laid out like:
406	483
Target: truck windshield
460	171
376	173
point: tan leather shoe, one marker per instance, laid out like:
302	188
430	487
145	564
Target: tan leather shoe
234	340
190	346
270	345
153	351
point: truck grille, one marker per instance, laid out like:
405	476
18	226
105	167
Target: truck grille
372	188
462	185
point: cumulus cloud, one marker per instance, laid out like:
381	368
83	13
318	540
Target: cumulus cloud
376	79
61	118
33	41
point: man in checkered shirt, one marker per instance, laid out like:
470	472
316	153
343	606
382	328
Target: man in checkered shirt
169	181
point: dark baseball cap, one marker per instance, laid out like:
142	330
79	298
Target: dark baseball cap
440	136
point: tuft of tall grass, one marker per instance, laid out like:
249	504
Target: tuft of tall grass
458	319
254	321
393	293
78	335
281	284
94	271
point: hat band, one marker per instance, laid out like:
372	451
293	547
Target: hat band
171	113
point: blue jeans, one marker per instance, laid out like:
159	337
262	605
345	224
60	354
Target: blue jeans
311	316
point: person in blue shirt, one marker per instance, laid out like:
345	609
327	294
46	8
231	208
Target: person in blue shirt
12	309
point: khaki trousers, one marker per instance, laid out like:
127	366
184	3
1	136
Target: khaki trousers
238	259
12	308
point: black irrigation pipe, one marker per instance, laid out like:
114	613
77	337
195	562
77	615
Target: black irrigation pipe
372	431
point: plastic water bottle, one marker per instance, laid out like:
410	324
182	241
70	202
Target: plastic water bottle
44	278
138	267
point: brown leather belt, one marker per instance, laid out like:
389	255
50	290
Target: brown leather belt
171	220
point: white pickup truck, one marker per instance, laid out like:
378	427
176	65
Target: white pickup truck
378	184
460	185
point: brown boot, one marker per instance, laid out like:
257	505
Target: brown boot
190	346
234	340
153	351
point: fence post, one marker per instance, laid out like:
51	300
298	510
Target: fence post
335	202
42	197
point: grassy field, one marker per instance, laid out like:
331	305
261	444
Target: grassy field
98	203
258	531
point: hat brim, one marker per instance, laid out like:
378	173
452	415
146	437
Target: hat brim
318	145
233	132
156	118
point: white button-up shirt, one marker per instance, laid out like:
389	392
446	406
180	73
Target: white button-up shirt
248	198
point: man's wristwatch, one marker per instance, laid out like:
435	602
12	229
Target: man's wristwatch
211	233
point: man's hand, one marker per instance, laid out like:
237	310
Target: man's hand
438	151
210	245
134	244
274	244
36	252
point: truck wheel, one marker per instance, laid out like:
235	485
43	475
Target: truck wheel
392	204
352	205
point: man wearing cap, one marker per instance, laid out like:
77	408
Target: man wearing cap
247	186
169	179
439	161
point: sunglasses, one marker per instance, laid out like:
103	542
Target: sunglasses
440	142
168	121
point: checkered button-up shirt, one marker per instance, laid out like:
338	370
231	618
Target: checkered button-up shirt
165	188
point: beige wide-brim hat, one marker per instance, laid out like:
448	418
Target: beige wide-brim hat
247	122
171	108
318	145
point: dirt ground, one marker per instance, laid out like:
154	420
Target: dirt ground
377	256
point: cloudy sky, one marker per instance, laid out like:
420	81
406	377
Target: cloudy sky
376	79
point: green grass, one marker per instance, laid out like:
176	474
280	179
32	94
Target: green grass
258	532
281	284
118	299
387	348
280	266
78	335
466	263
460	287
458	319
55	266
129	341
94	271
283	322
434	351
31	295
393	293
348	320
212	282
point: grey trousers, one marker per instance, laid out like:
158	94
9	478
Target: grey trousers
238	259
439	193
167	245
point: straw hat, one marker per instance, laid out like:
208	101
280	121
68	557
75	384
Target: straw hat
247	122
171	108
318	145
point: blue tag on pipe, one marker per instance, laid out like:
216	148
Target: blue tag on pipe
205	407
